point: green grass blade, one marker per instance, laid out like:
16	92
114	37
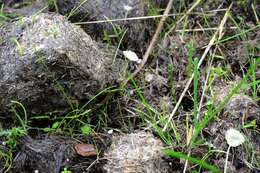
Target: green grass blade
203	164
195	94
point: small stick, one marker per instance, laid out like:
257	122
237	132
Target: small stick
147	17
256	17
204	29
211	43
183	17
208	73
155	37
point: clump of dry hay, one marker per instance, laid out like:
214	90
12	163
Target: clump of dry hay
138	152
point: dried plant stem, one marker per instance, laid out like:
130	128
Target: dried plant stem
207	13
208	73
183	17
154	39
255	13
211	43
186	163
203	29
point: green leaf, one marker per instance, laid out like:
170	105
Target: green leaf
86	129
252	124
55	125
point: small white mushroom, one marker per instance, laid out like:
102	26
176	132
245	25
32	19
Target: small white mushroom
130	55
110	132
234	138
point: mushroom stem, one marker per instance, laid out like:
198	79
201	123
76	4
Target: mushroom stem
225	168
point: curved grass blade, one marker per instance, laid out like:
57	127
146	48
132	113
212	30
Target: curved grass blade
203	164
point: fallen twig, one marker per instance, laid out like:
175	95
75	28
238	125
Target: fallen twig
154	39
209	13
211	43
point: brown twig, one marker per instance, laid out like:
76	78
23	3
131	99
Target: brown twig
211	43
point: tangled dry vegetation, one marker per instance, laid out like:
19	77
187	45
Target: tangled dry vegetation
129	86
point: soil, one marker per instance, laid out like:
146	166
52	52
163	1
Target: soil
120	125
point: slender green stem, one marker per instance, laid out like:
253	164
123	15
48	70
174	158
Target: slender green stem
195	94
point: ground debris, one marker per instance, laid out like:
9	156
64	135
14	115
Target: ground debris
136	152
47	155
52	153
